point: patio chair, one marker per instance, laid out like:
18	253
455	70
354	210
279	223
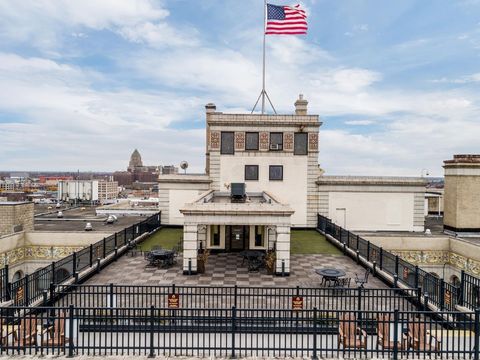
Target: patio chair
350	335
150	258
254	263
385	334
421	340
361	281
27	332
57	338
343	282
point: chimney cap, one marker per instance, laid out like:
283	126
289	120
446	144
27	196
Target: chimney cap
210	108
301	105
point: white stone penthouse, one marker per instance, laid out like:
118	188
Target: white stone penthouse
262	177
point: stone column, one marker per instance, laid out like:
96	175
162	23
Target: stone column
283	250
190	239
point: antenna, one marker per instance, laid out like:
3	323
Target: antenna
184	166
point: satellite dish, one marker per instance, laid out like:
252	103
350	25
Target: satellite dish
184	166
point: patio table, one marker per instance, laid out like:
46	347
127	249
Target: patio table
161	255
254	259
330	274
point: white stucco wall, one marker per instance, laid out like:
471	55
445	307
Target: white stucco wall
292	190
177	200
372	211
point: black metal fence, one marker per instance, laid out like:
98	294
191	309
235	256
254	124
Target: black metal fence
236	332
443	295
31	287
470	296
3	283
213	297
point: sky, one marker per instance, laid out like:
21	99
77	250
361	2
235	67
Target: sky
84	83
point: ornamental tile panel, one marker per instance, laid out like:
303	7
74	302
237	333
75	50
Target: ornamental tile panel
313	141
288	141
264	140
240	140
215	140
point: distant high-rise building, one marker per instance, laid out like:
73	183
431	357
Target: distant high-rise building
135	161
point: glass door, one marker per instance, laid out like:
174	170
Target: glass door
238	235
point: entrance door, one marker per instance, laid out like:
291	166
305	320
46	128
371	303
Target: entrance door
238	235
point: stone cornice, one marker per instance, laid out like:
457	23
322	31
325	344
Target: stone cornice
371	180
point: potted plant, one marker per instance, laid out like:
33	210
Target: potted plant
270	259
202	261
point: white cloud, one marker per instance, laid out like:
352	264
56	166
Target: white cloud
360	122
64	117
42	23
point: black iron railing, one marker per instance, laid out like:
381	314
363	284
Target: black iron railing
443	295
3	283
33	287
236	332
470	296
215	297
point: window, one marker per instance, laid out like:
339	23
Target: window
259	236
300	144
276	172
251	172
251	141
215	238
227	146
276	141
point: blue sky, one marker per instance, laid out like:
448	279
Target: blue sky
83	83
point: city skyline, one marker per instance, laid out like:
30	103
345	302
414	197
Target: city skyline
83	84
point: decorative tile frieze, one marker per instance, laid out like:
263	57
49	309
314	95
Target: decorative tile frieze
264	140
33	252
313	141
215	140
440	257
288	141
239	140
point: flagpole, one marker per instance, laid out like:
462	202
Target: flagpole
263	94
264	41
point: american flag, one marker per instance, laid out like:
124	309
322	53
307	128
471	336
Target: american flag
285	20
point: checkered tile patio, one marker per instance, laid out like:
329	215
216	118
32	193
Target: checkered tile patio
226	269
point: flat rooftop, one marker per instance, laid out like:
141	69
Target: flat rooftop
76	219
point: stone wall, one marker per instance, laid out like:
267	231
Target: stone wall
16	216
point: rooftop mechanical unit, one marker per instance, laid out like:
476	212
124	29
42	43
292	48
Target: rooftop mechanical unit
237	192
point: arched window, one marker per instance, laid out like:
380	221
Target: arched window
17	276
454	280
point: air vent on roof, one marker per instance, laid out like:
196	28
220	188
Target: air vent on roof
237	192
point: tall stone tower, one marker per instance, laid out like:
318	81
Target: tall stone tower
135	161
462	194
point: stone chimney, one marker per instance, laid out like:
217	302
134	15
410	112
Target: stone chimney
462	194
210	108
301	106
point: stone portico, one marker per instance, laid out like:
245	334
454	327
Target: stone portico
213	221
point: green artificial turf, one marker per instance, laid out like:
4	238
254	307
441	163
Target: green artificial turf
311	242
166	238
302	241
